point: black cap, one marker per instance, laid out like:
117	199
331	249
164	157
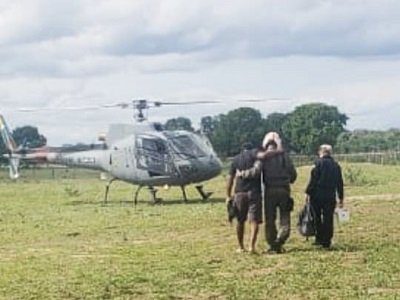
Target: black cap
247	146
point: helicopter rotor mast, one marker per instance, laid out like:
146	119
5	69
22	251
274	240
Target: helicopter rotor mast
141	105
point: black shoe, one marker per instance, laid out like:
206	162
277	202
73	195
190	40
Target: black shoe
326	245
276	250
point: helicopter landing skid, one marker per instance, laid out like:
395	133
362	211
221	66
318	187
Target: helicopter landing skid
135	200
107	190
204	195
184	194
153	193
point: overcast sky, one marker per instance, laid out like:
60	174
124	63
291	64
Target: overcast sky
86	52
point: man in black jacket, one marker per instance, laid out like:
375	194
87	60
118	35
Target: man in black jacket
325	184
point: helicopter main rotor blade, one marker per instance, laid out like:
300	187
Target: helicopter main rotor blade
66	108
122	105
141	103
265	100
161	103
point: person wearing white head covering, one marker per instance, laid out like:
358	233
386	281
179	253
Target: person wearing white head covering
278	173
272	137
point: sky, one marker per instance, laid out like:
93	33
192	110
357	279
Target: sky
91	52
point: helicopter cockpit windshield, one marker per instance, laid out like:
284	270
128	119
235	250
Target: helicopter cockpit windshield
186	145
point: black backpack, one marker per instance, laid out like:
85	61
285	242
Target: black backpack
306	222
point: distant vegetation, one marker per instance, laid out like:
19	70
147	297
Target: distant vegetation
368	141
27	136
302	130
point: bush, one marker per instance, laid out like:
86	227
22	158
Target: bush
355	176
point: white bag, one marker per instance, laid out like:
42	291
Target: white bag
343	215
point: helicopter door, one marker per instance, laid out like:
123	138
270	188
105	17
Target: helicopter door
152	156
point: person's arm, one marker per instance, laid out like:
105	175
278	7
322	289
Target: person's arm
340	187
292	170
253	172
229	187
268	153
230	182
256	170
313	180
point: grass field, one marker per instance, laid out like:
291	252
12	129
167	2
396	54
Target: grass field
58	242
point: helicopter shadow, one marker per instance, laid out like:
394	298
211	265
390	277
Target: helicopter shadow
189	202
130	203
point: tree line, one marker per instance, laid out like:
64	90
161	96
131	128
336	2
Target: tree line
368	141
302	131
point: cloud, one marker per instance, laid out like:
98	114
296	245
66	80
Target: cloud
70	38
86	52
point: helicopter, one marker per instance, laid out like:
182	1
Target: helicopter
142	153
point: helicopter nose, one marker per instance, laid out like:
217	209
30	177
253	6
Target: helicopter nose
215	165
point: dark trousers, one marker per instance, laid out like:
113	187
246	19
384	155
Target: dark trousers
277	199
324	203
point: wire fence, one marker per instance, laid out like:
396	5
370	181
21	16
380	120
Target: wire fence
60	172
381	158
45	171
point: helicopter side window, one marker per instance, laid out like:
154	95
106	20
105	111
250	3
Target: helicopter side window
154	146
152	156
187	146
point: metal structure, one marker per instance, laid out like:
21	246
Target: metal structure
141	153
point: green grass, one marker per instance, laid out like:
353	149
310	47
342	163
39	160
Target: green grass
58	242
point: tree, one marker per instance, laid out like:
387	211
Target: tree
311	125
28	136
180	123
274	122
235	128
207	124
368	140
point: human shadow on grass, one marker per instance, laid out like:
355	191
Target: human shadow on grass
348	248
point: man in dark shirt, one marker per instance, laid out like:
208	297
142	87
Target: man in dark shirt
325	184
278	173
247	198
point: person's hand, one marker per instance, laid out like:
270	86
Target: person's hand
238	174
227	199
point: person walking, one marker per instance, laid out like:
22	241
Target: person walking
325	185
278	172
247	196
